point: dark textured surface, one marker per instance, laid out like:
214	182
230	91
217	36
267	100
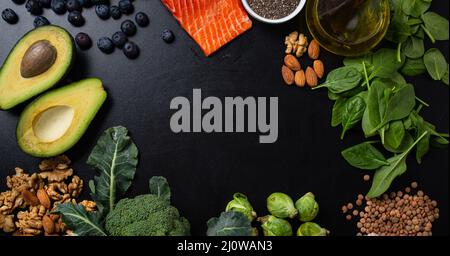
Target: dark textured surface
205	170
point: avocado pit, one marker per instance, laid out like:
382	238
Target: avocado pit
51	124
37	59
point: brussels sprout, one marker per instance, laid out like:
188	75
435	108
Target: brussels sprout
307	207
241	204
273	226
311	229
281	205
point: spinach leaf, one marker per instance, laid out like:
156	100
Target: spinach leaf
342	79
352	114
81	222
395	134
414	67
385	175
399	105
436	25
386	63
160	187
399	30
364	156
435	63
229	224
115	156
415	8
338	109
376	104
407	141
445	77
414	48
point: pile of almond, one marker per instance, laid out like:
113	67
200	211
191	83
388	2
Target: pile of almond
293	73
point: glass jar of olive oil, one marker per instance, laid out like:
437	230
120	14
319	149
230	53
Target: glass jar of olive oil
348	27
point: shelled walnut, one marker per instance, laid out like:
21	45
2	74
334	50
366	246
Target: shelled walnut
37	195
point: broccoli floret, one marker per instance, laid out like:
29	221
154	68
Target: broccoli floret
146	215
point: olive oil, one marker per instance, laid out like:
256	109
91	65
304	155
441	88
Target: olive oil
348	27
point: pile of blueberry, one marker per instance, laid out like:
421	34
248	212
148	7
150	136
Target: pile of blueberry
104	11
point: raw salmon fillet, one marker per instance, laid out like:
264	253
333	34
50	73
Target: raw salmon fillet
211	23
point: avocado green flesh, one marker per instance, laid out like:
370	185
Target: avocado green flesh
55	122
14	88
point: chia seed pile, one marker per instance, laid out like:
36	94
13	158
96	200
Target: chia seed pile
273	9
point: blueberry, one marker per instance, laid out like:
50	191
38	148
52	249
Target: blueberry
168	36
119	39
142	19
83	41
33	7
85	3
75	18
40	21
102	11
10	16
126	7
19	1
105	45
115	12
128	27
131	50
45	3
73	5
59	6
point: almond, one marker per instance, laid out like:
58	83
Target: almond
30	198
311	77
292	62
288	75
300	79
43	198
314	50
319	68
48	225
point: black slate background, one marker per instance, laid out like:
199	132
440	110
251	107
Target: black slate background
204	170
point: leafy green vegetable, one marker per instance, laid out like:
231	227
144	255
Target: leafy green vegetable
399	106
415	8
115	156
230	224
445	77
395	134
414	48
81	222
342	79
386	63
338	109
352	114
160	187
399	30
386	174
413	67
435	63
364	156
436	25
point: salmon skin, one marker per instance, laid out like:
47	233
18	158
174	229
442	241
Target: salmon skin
211	23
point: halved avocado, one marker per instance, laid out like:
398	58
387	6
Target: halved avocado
55	121
37	62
